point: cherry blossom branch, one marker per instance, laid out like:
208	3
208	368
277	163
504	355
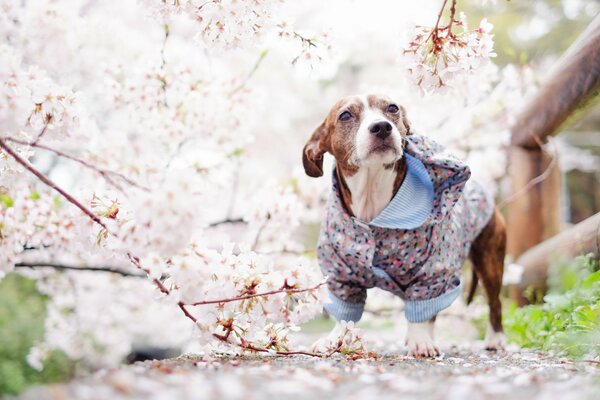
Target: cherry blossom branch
87	212
306	41
135	261
54	265
163	78
259	232
105	173
439	17
242	84
27	165
227	221
284	289
249	346
39	136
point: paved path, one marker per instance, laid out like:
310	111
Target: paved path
464	372
460	373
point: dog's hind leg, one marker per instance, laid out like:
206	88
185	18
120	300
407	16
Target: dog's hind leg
487	256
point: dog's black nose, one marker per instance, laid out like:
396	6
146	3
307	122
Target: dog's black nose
381	129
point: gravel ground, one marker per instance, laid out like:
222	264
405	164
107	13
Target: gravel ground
464	371
461	373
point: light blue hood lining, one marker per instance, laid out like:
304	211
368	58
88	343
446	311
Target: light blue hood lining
413	203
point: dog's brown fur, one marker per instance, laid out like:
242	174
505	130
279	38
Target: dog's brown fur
487	255
488	249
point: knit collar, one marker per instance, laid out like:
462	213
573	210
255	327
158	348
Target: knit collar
413	202
433	184
411	205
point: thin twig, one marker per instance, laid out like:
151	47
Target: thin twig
234	188
39	136
249	296
103	172
259	232
248	346
163	78
27	165
227	221
242	84
59	266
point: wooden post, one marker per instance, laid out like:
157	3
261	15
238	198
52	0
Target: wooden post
534	212
575	81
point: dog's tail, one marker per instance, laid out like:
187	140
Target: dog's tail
472	289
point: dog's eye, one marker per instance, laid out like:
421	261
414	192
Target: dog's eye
392	108
345	116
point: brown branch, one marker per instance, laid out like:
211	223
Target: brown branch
249	346
136	261
283	289
452	14
186	312
163	78
103	172
59	266
242	84
259	233
27	165
439	17
227	221
39	136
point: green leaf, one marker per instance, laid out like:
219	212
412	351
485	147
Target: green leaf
6	200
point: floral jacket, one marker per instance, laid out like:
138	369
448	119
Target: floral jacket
415	247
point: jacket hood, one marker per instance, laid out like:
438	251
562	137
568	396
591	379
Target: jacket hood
433	173
448	174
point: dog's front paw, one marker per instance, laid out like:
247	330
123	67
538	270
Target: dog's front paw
422	348
419	339
494	341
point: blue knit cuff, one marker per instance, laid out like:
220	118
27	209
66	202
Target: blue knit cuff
342	310
424	310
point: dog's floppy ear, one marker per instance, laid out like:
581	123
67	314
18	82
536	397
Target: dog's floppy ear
314	149
405	121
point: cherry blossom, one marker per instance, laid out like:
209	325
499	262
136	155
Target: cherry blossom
434	57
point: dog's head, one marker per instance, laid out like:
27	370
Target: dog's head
359	130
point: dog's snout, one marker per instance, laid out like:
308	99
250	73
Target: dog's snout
381	129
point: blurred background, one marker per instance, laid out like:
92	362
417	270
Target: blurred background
365	40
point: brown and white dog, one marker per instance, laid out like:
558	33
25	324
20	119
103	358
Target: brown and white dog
366	136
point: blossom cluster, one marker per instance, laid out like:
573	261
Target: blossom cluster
436	56
31	104
204	279
221	23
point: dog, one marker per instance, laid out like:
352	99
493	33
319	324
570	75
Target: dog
402	216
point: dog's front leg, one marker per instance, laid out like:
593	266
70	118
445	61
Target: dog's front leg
419	339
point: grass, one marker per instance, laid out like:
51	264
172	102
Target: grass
568	320
22	315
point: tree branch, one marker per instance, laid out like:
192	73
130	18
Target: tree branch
283	289
27	165
59	266
227	221
106	174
